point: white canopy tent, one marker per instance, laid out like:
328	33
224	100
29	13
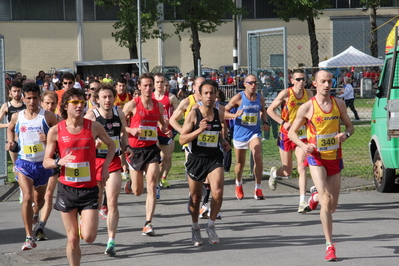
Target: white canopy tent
351	57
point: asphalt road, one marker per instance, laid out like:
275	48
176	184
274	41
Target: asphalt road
251	232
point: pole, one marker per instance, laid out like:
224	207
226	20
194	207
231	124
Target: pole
79	18
235	54
139	37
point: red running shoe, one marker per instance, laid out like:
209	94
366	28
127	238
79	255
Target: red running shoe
128	187
239	192
312	202
258	195
330	254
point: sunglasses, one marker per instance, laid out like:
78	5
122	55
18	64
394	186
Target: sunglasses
251	82
92	89
300	79
69	83
76	102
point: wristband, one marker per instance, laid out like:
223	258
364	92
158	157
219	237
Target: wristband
265	122
282	123
56	162
347	135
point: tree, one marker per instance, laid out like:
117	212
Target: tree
373	5
304	10
200	16
126	27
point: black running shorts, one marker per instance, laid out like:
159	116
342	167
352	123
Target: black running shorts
144	156
198	168
69	198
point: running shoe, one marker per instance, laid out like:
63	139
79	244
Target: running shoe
330	253
148	231
40	235
103	212
258	194
304	207
125	175
212	236
204	212
239	192
110	249
128	187
312	202
29	244
158	192
218	216
35	223
164	183
196	237
272	180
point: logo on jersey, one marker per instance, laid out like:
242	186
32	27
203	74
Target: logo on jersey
23	129
109	125
319	119
209	126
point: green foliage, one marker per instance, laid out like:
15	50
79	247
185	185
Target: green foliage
300	9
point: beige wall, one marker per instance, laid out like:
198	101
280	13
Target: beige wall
34	46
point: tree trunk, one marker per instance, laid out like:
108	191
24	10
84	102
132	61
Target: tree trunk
133	53
373	29
314	44
196	46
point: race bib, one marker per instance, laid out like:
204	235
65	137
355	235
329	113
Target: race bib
302	132
77	172
33	150
103	149
209	139
249	119
327	142
148	133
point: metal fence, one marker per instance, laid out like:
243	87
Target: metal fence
268	61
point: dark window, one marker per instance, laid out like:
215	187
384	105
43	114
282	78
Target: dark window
38	10
249	6
108	14
88	10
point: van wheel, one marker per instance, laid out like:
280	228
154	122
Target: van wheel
384	178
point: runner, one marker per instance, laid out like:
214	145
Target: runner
31	126
202	131
114	122
145	113
77	190
324	155
247	133
290	100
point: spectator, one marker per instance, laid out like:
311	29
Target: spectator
40	78
348	96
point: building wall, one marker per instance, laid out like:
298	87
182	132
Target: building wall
33	46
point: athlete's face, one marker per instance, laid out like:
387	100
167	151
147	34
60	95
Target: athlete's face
146	87
159	83
49	104
75	106
197	84
298	80
15	93
106	99
68	84
31	100
208	95
323	81
250	84
120	87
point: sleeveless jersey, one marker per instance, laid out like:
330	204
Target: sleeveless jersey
289	110
12	110
121	100
147	121
248	123
167	111
192	102
81	172
113	128
208	142
32	149
322	128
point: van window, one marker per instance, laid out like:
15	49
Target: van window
385	80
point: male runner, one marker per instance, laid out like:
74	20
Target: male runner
166	144
202	131
324	156
114	122
145	113
122	96
77	192
290	100
31	125
68	81
247	133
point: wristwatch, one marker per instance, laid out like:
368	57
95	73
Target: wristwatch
347	135
56	162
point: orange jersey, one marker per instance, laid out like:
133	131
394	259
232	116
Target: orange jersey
121	100
290	108
322	129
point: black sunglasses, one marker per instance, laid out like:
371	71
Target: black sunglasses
299	79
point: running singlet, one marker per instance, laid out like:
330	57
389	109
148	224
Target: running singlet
147	121
289	110
248	123
81	172
322	129
208	142
113	128
12	110
167	111
121	100
32	149
192	102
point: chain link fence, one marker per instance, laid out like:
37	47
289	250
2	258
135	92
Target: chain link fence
267	60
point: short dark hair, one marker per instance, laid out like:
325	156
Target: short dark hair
31	87
67	96
16	83
120	80
145	76
211	82
68	76
160	75
103	87
300	71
